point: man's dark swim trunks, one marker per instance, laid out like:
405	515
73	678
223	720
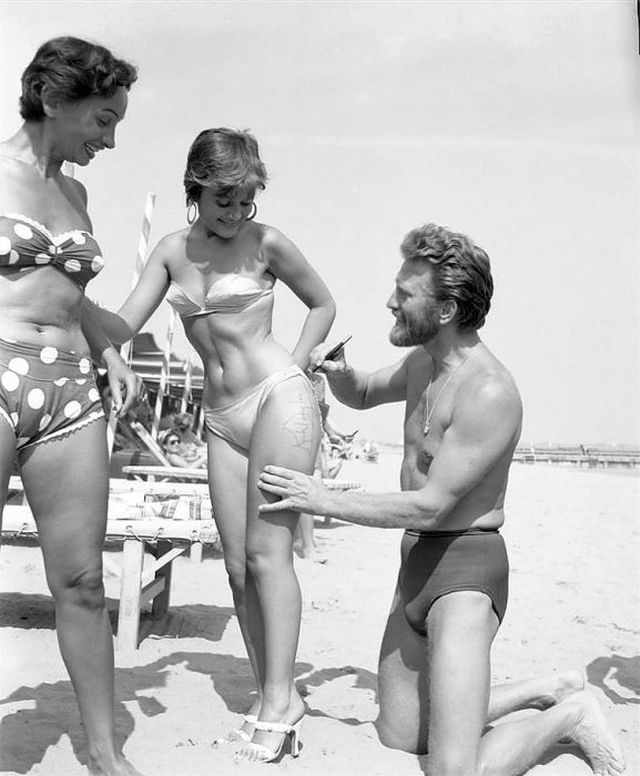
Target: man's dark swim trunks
435	563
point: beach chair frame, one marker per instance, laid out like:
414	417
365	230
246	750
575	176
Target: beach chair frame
164	539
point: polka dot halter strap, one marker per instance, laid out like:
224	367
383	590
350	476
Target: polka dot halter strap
24	244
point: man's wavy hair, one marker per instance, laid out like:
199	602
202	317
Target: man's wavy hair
461	271
225	160
72	69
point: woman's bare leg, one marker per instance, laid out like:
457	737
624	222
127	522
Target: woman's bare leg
228	488
66	483
7	456
287	433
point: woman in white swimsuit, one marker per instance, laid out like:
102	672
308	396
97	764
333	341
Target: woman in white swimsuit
219	274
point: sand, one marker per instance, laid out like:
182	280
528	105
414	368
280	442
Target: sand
573	537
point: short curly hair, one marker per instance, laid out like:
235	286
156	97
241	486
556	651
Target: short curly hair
224	159
461	271
71	69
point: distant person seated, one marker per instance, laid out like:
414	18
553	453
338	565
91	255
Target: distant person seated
192	445
171	443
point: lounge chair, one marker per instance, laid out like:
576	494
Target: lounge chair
133	526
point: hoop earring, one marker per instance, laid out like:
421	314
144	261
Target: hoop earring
255	212
192	214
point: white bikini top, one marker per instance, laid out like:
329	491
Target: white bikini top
230	293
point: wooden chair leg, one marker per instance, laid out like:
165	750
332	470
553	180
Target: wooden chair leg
195	553
161	600
129	611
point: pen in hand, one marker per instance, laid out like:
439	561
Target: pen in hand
331	354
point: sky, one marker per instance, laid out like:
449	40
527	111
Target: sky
513	122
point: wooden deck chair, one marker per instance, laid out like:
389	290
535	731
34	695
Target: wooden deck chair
150	443
164	539
165	473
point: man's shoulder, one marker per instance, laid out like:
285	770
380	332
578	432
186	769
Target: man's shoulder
492	382
498	373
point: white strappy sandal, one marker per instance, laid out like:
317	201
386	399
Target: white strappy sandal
261	753
238	734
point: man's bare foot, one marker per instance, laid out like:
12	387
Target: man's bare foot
594	736
117	767
561	687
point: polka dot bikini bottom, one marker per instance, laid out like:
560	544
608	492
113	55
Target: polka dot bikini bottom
45	392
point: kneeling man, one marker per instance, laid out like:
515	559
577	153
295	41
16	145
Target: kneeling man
462	424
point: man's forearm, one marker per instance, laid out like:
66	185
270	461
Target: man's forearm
349	387
405	509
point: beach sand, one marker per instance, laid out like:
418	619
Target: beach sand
574	541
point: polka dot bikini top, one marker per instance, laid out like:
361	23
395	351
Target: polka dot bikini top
25	243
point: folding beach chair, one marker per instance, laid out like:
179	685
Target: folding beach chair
138	523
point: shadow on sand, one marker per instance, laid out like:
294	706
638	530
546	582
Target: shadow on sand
625	671
46	712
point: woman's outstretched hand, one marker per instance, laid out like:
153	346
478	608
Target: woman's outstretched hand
126	387
297	491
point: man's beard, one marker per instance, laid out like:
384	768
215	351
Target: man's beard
408	333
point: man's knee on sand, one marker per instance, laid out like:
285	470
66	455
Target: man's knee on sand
452	764
403	724
448	762
444	763
395	736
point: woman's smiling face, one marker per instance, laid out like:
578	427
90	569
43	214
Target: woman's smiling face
82	128
225	212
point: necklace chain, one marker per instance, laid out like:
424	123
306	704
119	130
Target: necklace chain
428	412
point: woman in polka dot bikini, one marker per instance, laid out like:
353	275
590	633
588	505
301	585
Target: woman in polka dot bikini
74	94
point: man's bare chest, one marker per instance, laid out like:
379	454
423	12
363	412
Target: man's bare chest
419	448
